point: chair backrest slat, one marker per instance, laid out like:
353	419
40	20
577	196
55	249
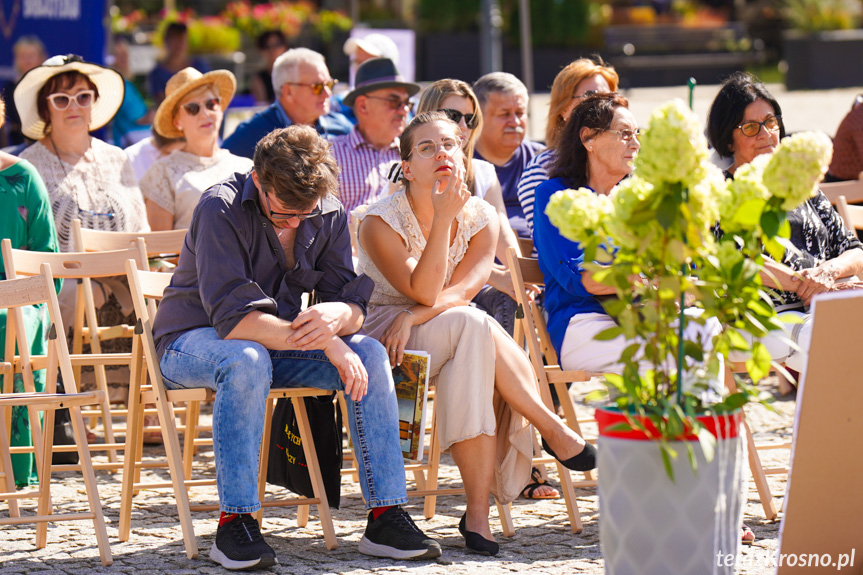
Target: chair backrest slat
852	190
851	214
73	265
23	291
162	242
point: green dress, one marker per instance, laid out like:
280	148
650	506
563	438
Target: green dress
26	219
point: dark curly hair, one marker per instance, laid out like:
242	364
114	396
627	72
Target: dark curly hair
595	113
726	112
295	163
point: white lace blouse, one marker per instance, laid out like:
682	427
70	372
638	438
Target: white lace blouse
175	183
100	189
396	212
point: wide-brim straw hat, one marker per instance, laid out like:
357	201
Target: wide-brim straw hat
109	83
377	74
180	85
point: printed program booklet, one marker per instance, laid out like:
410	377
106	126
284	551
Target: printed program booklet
411	379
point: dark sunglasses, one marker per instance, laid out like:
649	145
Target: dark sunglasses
470	120
192	108
283	216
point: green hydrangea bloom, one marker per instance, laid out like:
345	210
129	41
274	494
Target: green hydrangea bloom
796	167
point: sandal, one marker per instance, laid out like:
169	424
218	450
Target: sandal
747	537
538	481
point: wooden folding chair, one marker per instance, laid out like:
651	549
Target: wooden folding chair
147	287
525	271
15	293
852	215
852	190
82	267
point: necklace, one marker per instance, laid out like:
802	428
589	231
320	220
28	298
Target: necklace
413	209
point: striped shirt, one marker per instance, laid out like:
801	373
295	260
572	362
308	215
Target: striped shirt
364	169
535	174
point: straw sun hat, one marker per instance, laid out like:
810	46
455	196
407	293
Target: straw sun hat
108	82
180	85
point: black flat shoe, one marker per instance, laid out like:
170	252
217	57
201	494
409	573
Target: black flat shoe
584	461
476	542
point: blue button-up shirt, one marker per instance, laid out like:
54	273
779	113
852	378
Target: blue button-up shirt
232	264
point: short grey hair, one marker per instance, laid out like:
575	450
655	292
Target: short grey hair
499	82
287	66
29	40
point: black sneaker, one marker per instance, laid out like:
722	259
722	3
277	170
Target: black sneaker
395	535
240	546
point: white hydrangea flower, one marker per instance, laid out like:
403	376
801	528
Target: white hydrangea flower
578	214
673	148
797	166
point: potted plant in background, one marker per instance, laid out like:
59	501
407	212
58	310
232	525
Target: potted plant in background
671	459
822	46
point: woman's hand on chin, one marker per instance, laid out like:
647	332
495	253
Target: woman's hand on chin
449	199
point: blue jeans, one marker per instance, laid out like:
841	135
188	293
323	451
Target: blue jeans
241	372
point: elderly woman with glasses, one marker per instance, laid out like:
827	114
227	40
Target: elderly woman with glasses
429	249
578	80
745	121
192	109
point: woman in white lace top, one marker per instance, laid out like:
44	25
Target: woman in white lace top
61	102
193	108
430	248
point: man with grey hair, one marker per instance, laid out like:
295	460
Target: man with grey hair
303	88
28	52
503	100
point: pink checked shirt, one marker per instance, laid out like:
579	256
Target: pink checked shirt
364	169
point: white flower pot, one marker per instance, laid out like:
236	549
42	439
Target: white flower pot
649	524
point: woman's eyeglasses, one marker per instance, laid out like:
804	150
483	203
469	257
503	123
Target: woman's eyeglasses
318	87
394	102
82	99
192	108
625	135
587	94
428	148
752	129
286	217
470	120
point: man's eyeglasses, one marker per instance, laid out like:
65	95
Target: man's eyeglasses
61	101
470	120
394	102
318	88
287	217
752	129
625	135
428	148
192	108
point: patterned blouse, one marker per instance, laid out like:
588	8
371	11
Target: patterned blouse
817	235
175	183
100	189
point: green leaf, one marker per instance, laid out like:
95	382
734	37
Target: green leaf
736	400
609	334
693	350
667	212
708	444
774	249
666	459
690	454
770	223
596	395
758	364
749	213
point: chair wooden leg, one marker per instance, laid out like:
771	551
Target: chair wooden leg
171	439
44	506
6	463
570	499
430	503
264	459
761	485
193	411
131	460
315	473
505	514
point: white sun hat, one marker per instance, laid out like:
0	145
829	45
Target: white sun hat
108	82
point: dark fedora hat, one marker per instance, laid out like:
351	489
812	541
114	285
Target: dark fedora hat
377	74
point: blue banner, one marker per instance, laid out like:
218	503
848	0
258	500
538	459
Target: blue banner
64	26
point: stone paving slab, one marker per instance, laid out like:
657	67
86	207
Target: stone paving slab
543	543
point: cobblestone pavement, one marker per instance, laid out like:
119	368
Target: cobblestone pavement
543	542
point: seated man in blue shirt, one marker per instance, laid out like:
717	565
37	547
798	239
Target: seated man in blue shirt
231	321
303	87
